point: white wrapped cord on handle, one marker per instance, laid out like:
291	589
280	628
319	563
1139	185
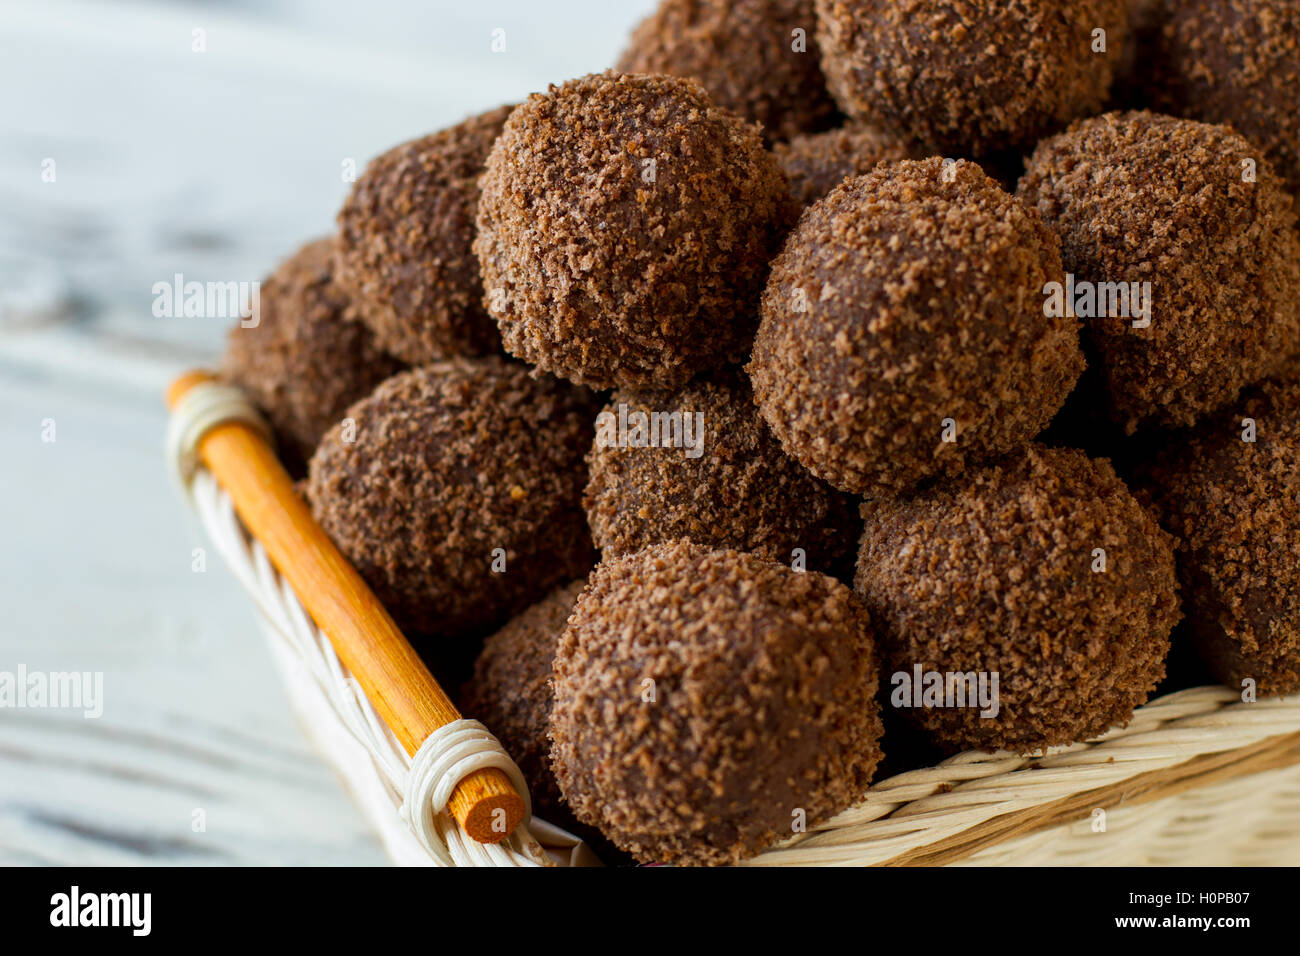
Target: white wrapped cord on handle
449	755
406	797
200	410
1253	817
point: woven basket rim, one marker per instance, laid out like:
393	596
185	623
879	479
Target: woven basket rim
931	815
945	813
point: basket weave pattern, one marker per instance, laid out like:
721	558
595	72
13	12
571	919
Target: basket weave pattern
1198	776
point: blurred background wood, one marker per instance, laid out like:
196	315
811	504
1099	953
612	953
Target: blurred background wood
215	165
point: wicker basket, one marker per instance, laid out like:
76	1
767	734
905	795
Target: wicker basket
1198	777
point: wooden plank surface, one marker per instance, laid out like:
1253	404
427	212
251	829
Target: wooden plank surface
213	165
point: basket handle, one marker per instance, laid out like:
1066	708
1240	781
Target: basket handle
364	635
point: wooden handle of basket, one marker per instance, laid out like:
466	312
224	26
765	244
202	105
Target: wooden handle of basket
365	637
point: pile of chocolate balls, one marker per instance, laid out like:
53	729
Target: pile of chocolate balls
823	368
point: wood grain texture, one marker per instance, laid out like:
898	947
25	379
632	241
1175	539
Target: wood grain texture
103	570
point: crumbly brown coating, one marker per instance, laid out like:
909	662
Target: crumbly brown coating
308	358
451	462
744	53
818	162
405	244
969	77
702	697
1233	506
511	692
741	491
995	574
625	230
1139	197
907	298
1235	62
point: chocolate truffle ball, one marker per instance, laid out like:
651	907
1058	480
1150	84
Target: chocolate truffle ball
970	77
511	693
1233	506
703	697
1235	62
458	494
1042	569
700	463
903	333
307	358
818	162
625	230
1162	209
405	237
748	54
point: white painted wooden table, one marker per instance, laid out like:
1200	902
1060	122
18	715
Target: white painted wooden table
213	164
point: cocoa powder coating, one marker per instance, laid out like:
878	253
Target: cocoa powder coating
1235	62
998	572
695	698
970	77
906	308
1139	197
455	467
741	492
746	53
815	163
307	358
405	237
511	692
703	697
1232	506
625	230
